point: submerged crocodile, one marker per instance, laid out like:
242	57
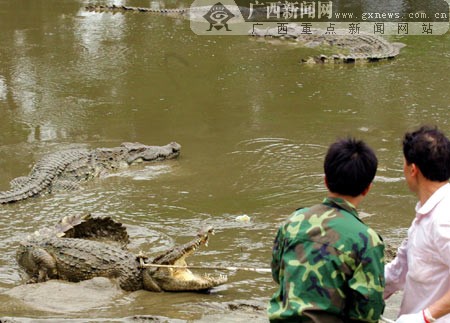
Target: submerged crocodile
81	248
118	8
191	13
344	47
66	169
348	48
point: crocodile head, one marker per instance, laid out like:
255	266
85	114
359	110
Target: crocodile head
180	279
137	152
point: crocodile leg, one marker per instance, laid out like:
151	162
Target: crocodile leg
149	283
45	263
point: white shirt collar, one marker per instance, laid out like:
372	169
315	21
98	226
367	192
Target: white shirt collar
433	200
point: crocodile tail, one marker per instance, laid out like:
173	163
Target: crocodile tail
103	229
31	187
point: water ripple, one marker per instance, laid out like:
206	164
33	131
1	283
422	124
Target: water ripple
279	169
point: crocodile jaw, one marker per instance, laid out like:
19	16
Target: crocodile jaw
182	279
188	281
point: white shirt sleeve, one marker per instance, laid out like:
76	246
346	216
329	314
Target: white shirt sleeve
395	272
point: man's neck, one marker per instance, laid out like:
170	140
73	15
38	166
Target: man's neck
427	188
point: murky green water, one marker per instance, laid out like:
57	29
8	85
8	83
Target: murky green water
253	123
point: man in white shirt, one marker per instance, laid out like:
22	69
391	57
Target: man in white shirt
422	265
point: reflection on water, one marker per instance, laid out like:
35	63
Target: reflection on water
3	88
253	122
24	78
101	37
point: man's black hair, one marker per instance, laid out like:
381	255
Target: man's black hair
429	149
350	166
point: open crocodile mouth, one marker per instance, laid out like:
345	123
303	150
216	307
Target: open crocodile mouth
175	277
178	254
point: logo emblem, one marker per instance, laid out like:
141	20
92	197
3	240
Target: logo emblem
218	16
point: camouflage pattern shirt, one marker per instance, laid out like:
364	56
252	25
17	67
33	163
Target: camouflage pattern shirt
329	265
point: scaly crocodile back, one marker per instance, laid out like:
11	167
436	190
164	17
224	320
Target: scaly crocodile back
43	174
66	169
78	259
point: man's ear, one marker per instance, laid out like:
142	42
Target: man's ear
326	182
367	189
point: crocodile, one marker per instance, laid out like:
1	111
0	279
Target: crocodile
98	249
68	168
119	8
217	19
359	47
348	48
192	13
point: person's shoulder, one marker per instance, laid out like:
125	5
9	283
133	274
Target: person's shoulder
354	229
439	213
301	210
304	213
313	209
445	201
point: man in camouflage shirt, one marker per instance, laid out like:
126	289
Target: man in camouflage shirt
328	263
